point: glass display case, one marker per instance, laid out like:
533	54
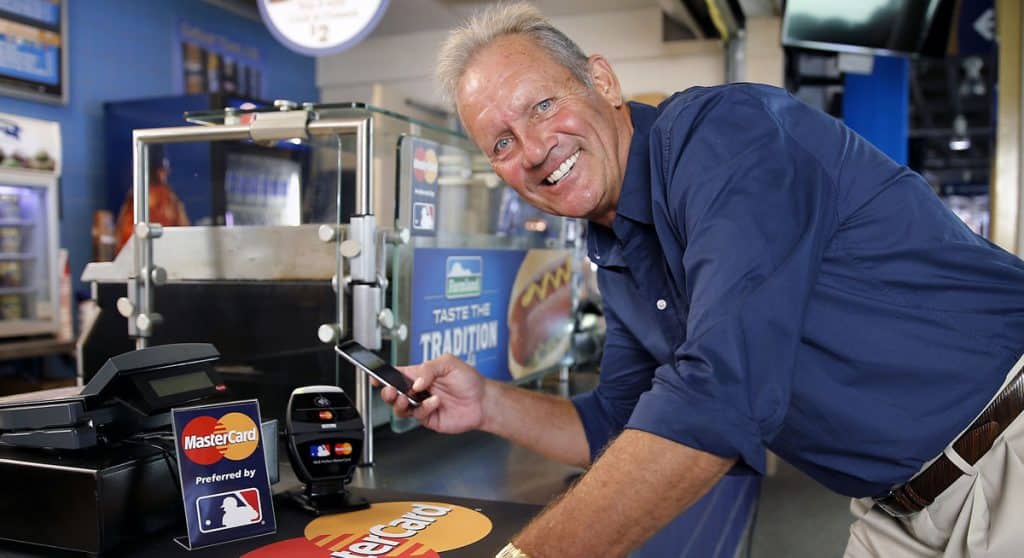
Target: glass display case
389	231
29	277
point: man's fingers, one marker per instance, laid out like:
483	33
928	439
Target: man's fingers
426	408
401	406
422	375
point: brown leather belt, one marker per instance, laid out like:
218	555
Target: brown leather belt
920	491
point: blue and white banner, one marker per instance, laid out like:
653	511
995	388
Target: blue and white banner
506	312
223	471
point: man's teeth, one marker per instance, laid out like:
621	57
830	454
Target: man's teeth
563	169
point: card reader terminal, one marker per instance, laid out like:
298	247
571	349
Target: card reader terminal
325	442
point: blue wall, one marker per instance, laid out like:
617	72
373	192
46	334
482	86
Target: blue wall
877	106
125	49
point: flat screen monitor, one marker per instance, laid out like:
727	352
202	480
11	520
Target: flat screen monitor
888	27
33	49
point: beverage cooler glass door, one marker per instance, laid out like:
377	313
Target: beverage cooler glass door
28	253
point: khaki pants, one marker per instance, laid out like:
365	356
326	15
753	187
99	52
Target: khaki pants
979	515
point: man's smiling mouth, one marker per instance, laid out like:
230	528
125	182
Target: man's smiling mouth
562	169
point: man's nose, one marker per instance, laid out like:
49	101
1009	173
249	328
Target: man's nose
536	145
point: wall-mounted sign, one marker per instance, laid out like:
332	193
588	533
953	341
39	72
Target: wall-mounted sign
33	53
213	63
28	143
321	27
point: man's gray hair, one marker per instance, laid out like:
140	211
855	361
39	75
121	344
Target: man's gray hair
519	18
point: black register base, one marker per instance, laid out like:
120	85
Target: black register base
457	528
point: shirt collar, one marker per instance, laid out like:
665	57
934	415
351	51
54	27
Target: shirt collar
635	196
634	204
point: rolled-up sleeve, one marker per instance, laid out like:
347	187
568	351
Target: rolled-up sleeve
626	372
756	210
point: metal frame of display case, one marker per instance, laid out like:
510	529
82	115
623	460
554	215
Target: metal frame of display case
261	253
359	249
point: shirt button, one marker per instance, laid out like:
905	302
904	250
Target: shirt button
661	304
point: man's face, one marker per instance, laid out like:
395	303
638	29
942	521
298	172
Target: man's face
561	145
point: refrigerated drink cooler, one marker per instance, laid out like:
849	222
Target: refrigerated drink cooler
29	277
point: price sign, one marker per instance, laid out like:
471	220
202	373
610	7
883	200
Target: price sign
320	27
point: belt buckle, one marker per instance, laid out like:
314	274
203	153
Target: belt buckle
897	511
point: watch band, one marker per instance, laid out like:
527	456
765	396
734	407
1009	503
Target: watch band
510	551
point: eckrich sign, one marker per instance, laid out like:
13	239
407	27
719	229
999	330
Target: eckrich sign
223	472
464	276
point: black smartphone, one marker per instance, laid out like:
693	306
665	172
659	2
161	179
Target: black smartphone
369	362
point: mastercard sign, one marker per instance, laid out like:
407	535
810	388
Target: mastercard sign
206	439
425	164
223	470
386	529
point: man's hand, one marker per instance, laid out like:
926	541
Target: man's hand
457	394
461	399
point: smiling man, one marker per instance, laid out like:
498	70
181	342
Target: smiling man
565	153
770	281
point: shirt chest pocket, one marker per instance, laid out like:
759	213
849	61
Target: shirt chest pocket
658	307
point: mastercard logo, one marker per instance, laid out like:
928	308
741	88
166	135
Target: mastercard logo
387	529
425	165
207	440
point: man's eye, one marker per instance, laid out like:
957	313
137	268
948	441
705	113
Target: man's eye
544	105
502	144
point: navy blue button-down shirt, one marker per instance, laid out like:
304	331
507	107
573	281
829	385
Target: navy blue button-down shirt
771	280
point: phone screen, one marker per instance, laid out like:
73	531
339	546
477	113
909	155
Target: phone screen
377	367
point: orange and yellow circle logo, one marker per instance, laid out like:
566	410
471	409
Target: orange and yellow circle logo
387	529
425	165
207	440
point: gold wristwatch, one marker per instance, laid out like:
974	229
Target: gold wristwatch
510	551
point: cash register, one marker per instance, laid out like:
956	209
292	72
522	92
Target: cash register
132	392
81	469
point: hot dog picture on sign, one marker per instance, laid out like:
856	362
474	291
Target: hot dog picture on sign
506	312
540	312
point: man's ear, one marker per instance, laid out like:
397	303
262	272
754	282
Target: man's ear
606	83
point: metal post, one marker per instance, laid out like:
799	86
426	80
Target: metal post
735	59
138	291
362	229
364	207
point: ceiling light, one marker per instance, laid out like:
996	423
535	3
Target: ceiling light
960	141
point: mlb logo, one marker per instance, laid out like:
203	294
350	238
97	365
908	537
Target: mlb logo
423	216
320	450
229	509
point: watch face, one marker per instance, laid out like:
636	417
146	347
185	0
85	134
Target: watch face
510	551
